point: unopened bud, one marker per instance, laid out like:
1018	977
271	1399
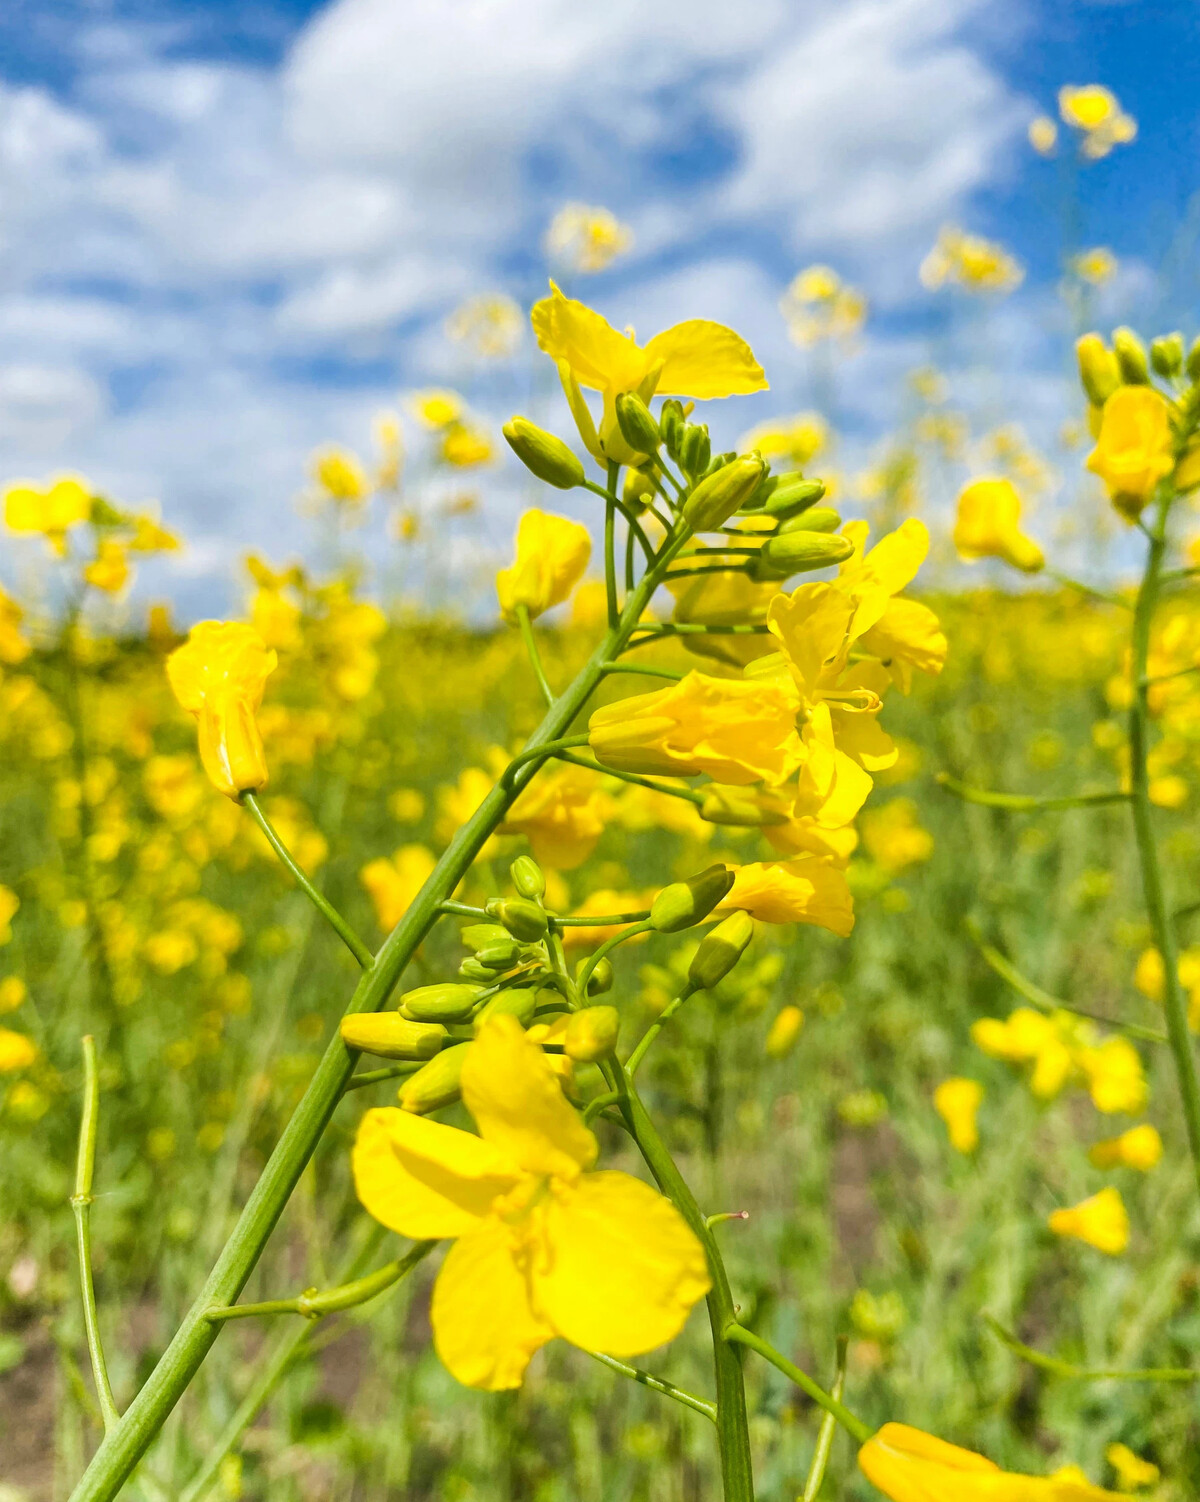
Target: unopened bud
719	461
442	1003
1099	371
685	903
472	970
525	919
527	876
817	519
715	499
637	424
791	495
1131	357
741	808
720	951
391	1036
798	552
601	978
1166	355
695	449
637	489
546	456
591	1034
476	935
515	1001
501	955
671	425
437	1084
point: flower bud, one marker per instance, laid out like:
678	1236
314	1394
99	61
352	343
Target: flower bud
1098	369
719	461
543	454
601	978
695	450
818	519
671	426
392	1036
685	903
591	1034
476	935
519	1002
720	950
742	808
1131	357
715	499
472	970
525	919
798	552
1166	355
637	424
442	1003
637	489
437	1084
502	955
527	877
791	494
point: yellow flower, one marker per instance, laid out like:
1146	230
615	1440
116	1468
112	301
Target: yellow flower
1094	110
340	475
13	992
562	814
909	1465
110	569
805	890
438	409
389	439
784	1031
1095	266
903	634
1031	1037
988	526
1101	1220
1140	1147
734	731
464	446
14	647
219	675
489	324
150	537
9	903
1043	135
792	440
543	1247
1133	1472
957	1102
696	358
723	600
65	502
393	884
552	555
16	1051
818	305
1115	1076
587	239
892	836
1135	447
973	263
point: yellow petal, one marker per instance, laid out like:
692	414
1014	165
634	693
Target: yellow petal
511	1091
599	357
422	1178
622	1268
484	1328
704	360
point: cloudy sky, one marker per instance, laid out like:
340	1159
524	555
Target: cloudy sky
232	229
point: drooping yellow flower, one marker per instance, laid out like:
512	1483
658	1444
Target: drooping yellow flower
562	814
1140	1147
65	502
16	1051
543	1247
109	571
552	555
586	238
219	675
1101	1220
393	884
806	835
340	475
1043	135
489	324
1133	1473
988	525
893	836
909	1465
970	262
736	732
903	634
805	890
696	358
1135	447
957	1102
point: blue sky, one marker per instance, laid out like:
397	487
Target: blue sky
231	231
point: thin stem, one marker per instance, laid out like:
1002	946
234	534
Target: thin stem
1086	589
656	1027
1170	677
598	1104
637	530
1023	803
820	1460
1084	1373
654	629
713	568
540	754
610	562
689	794
743	552
81	1204
461	910
604	949
647	672
849	1421
601	920
531	646
377	1076
657	1384
335	920
314	1305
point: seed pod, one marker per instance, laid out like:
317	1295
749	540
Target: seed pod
525	919
392	1036
1131	357
546	456
443	1003
715	499
798	552
1099	372
685	903
738	807
818	519
591	1034
1166	355
437	1084
527	877
720	950
695	450
518	1002
637	425
792	495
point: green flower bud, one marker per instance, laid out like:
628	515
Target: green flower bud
1166	355
671	426
391	1036
527	877
741	808
472	970
591	1034
1131	357
1099	372
720	950
798	552
719	461
443	1003
546	456
476	935
437	1084
502	955
601	978
1193	360
519	1002
791	495
715	499
695	450
685	903
637	489
525	919
637	424
818	519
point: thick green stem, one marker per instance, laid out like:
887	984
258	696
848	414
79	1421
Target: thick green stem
1174	1002
81	1204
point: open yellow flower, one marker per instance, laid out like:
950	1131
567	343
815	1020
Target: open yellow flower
1135	447
14	646
562	814
65	502
16	1051
219	675
552	553
909	1465
736	732
393	884
109	571
1133	1472
696	358
957	1102
903	634
988	526
805	890
340	475
1140	1147
1101	1220
544	1247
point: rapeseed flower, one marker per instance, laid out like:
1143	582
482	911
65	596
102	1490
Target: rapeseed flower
489	324
1095	112
1043	135
1135	447
819	305
14	645
587	239
393	884
1101	1220
562	814
903	634
783	1032
804	890
543	1247
109	570
340	475
1133	1473
16	1051
788	440
893	837
988	526
1140	1147
65	502
970	262
957	1102
552	556
437	408
218	675
909	1465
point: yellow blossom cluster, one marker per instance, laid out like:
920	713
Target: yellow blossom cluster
819	306
970	262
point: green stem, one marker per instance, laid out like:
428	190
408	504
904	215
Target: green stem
535	657
1084	1373
598	1104
690	794
461	910
849	1421
609	944
820	1460
646	672
539	754
610	527
377	1076
1023	803
657	1384
1086	589
327	910
601	920
656	1027
713	568
81	1204
314	1305
1174	1002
